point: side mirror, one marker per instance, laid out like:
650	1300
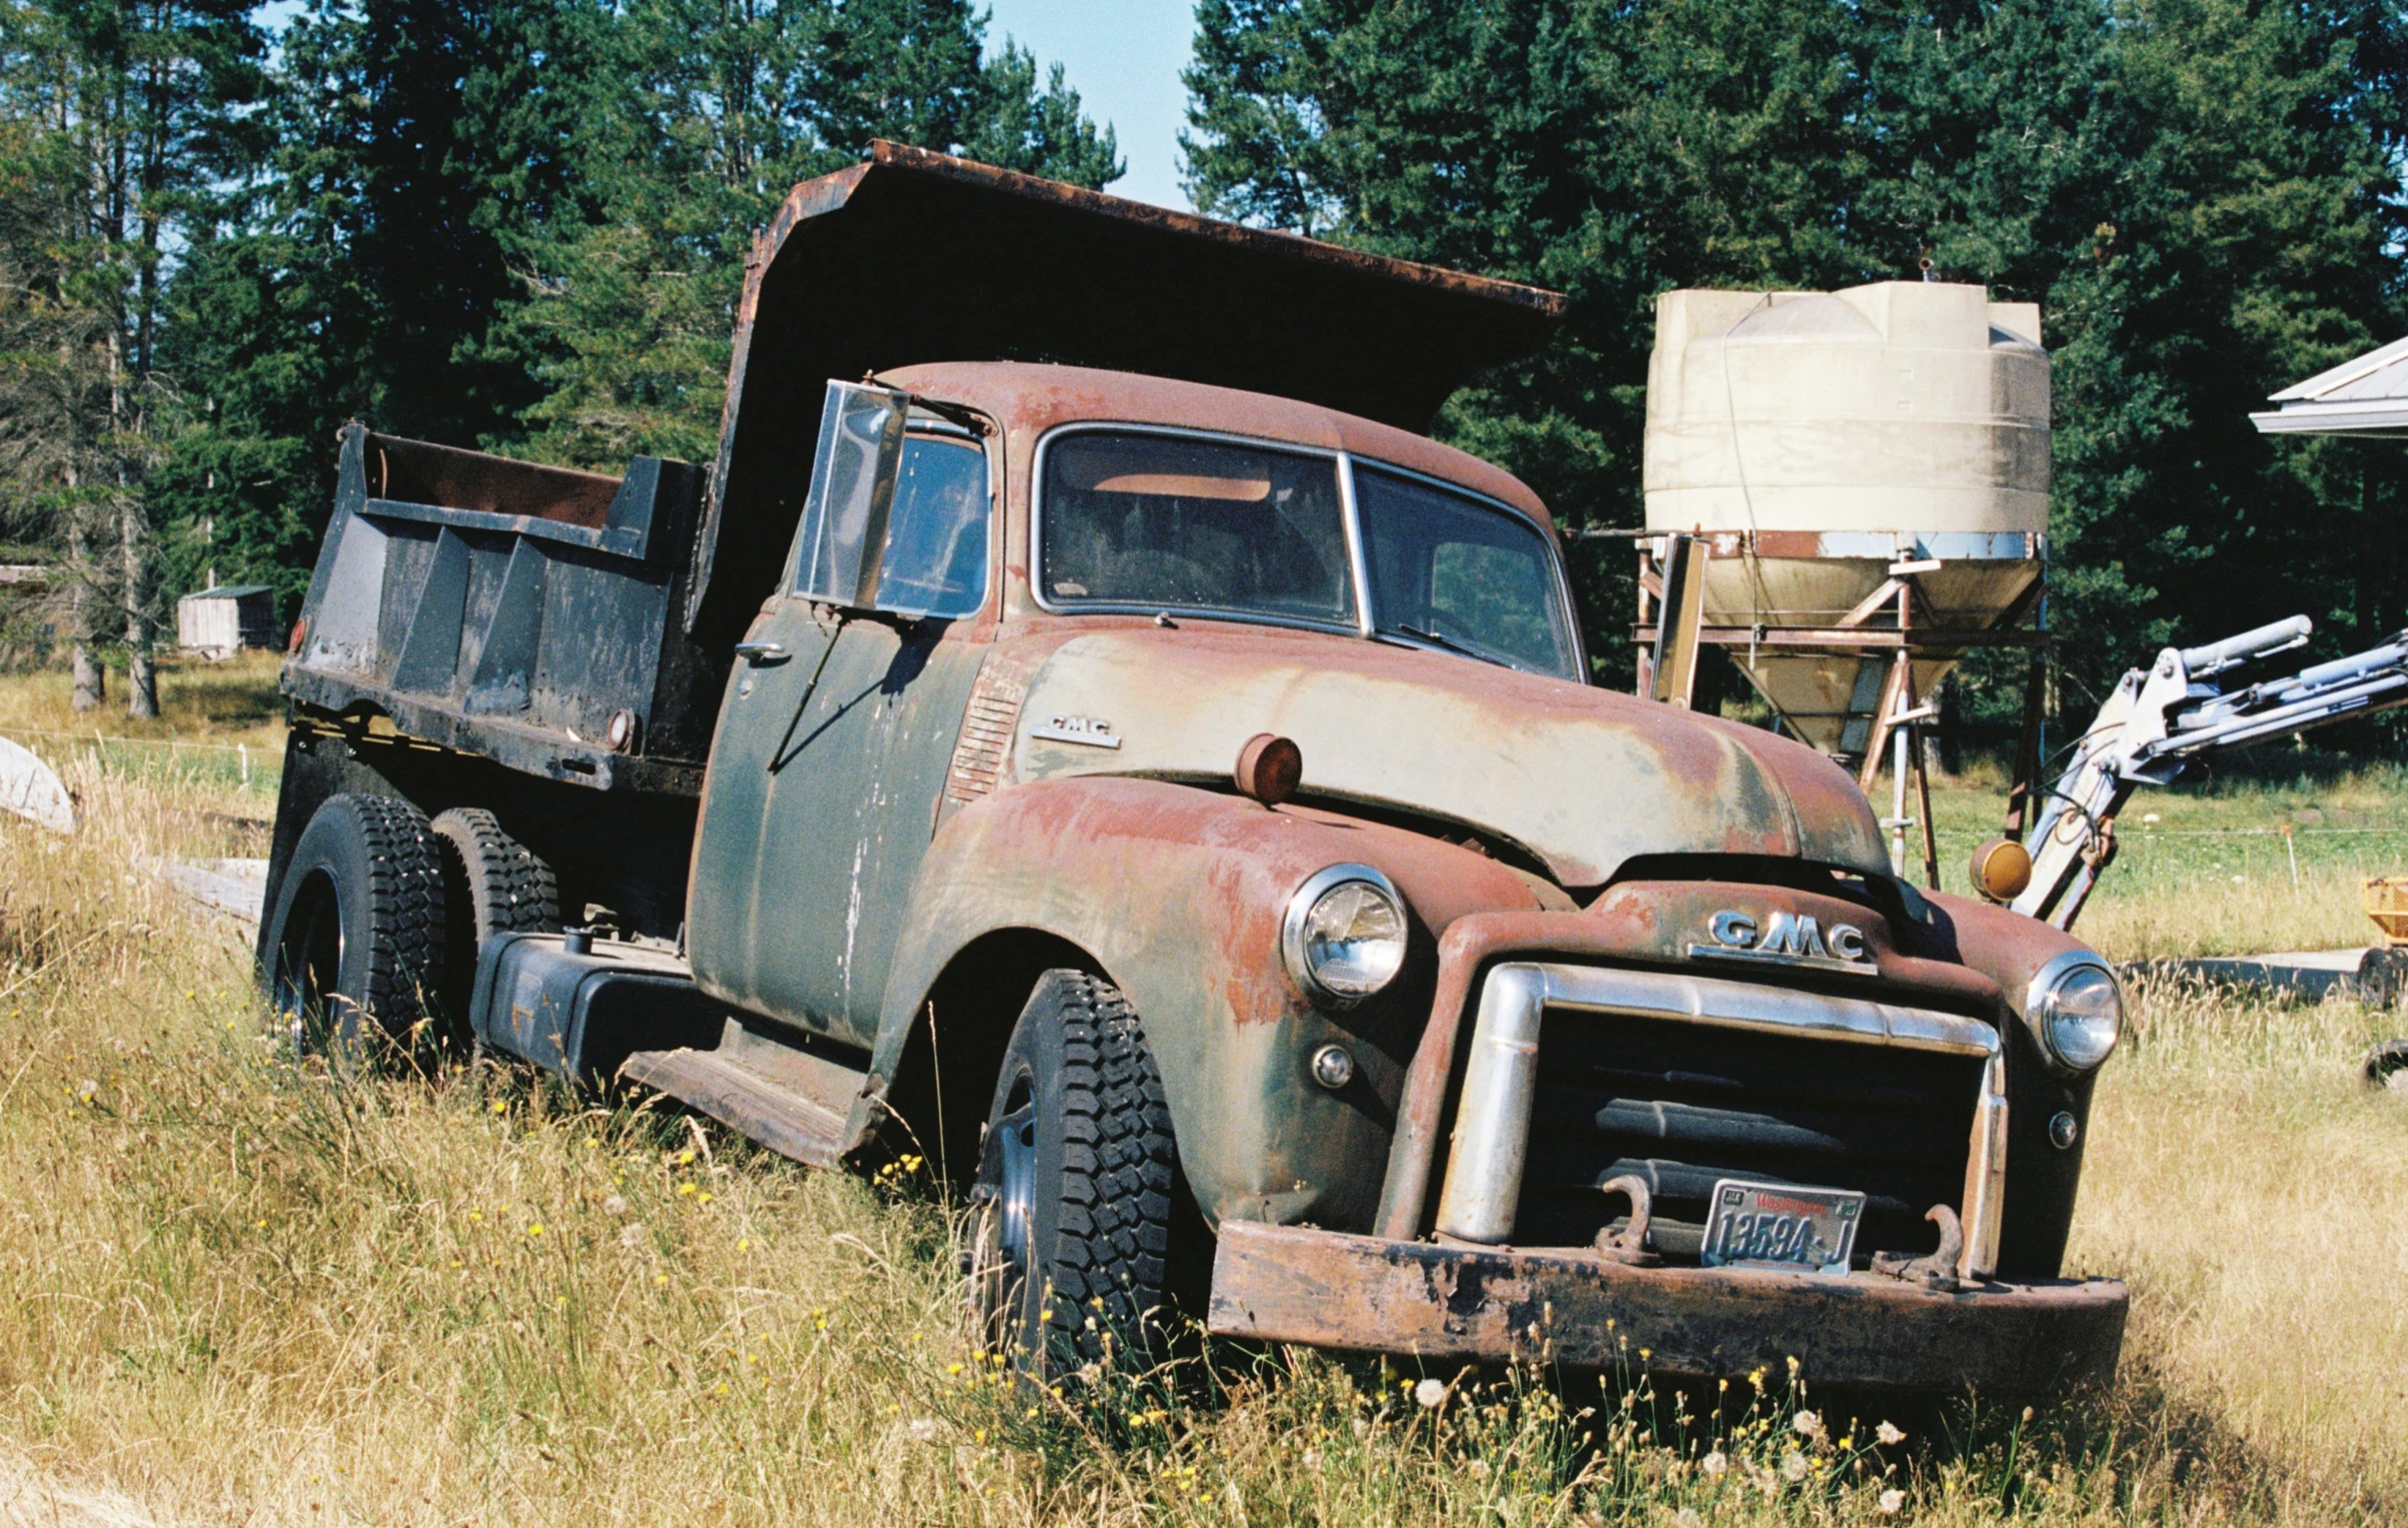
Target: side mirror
843	532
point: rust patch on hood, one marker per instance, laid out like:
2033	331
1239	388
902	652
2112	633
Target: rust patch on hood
1579	779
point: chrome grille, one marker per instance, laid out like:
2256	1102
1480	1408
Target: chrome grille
1681	1104
1578	1074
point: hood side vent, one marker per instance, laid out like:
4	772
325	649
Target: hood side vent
987	732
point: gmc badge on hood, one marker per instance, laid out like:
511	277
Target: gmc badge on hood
1788	939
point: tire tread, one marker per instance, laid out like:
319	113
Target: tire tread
1118	1171
405	912
512	890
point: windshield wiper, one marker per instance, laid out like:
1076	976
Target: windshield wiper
1434	639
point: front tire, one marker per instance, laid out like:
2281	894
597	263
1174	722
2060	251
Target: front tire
1067	1244
355	944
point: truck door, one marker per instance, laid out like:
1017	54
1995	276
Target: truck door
833	742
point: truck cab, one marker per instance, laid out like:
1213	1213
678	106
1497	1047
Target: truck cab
1184	808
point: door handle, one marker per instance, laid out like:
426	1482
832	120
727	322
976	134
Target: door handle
761	651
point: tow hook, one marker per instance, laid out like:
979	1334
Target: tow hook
1937	1271
1630	1244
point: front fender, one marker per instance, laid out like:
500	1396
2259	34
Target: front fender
2042	1177
1178	895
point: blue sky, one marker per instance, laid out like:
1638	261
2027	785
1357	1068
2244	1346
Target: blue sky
1123	57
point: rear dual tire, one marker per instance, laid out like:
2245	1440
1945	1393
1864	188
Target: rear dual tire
377	928
354	949
492	885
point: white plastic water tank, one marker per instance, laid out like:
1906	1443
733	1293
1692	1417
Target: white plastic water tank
1819	436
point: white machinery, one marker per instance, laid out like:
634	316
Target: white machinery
2162	719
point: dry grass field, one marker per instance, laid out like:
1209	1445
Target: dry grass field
234	1289
2239	865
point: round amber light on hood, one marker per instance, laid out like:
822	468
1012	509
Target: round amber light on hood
2000	869
1344	935
1269	767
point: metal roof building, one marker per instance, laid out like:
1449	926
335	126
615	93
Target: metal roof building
2365	397
225	619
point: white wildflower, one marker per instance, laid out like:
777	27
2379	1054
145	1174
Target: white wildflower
1807	1424
922	1430
1794	1465
630	1236
1713	1464
1890	1433
1891	1500
1429	1394
615	1205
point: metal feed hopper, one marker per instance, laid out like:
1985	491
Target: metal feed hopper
1868	469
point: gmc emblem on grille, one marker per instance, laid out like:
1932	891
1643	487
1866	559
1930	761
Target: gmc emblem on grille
1790	938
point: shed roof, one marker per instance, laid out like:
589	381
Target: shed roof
229	592
2364	396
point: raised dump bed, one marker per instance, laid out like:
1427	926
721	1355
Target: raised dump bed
527	614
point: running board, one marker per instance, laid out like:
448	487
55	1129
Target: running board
794	1101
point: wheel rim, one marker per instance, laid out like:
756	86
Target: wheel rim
1003	1254
309	956
1016	1195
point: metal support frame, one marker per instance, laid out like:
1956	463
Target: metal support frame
1903	722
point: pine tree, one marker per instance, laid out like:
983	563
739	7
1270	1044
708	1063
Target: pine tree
628	320
135	106
2203	195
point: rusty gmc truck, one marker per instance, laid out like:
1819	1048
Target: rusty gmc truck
1082	724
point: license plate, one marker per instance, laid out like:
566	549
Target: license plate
1774	1225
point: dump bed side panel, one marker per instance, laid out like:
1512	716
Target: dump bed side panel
516	612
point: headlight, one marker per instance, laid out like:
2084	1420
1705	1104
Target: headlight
1344	935
2075	1010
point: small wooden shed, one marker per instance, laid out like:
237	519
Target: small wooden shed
218	623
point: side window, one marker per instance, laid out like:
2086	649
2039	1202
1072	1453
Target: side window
934	562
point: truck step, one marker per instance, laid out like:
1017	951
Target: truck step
797	1103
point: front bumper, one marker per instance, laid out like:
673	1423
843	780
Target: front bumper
1458	1304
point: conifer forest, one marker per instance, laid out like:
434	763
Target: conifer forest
520	224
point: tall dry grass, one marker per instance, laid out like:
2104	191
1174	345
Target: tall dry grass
2255	1193
219	724
233	1288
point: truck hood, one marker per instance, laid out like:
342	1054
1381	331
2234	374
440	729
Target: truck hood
1580	779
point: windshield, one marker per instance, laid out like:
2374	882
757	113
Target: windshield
1453	572
1150	522
1167	524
